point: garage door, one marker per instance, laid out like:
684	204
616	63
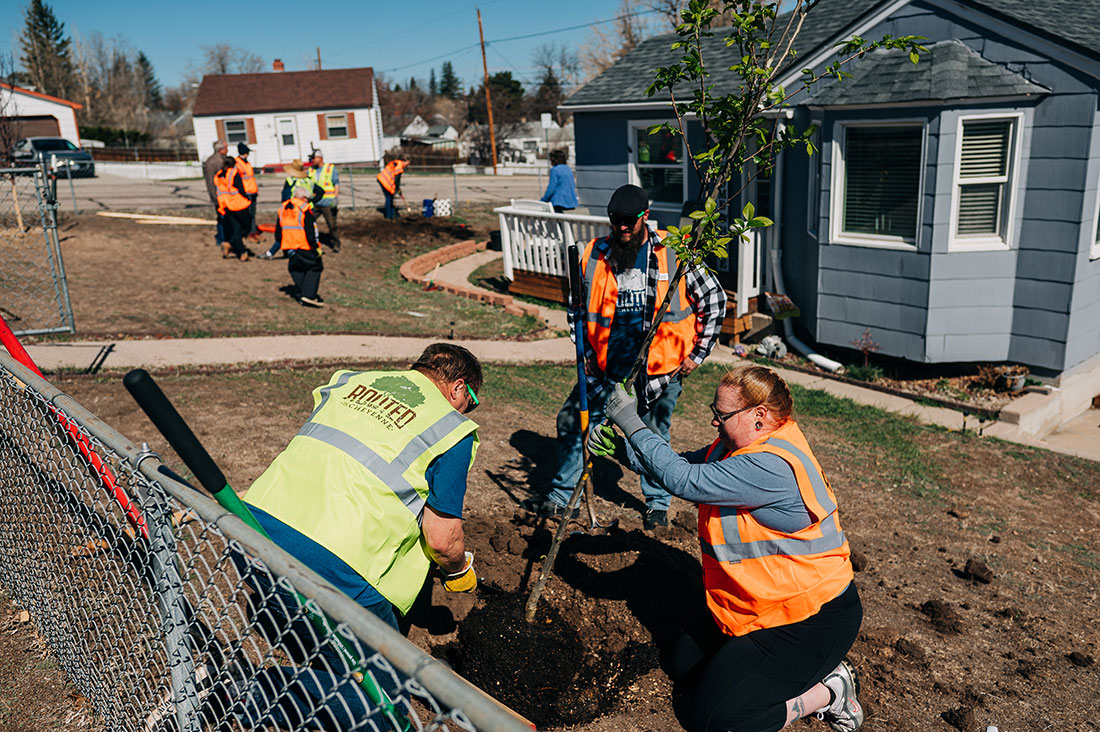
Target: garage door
40	126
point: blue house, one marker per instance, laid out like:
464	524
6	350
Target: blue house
954	208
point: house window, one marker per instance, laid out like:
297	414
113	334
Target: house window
336	125
983	182
658	163
879	171
236	131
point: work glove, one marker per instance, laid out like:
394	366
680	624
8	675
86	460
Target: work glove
602	440
622	409
464	580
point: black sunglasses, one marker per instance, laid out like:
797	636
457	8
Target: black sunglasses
722	417
473	403
624	219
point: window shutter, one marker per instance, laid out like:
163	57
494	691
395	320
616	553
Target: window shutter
322	128
882	181
250	127
984	160
220	123
351	125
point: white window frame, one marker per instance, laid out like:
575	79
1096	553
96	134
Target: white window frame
244	129
329	126
955	243
632	164
837	191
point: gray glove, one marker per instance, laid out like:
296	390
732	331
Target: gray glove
622	409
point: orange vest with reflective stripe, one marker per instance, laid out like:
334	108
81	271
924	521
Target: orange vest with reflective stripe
675	335
292	222
230	197
248	176
388	176
757	577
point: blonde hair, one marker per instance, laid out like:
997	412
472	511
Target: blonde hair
759	385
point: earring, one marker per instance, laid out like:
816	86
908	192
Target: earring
759	425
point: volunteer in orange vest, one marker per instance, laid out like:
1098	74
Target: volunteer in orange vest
233	208
251	189
296	234
776	565
390	181
325	175
626	276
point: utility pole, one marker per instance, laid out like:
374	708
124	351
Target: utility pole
318	58
488	99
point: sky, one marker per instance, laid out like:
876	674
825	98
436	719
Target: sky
398	39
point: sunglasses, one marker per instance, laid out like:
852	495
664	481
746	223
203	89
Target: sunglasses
723	416
624	220
473	400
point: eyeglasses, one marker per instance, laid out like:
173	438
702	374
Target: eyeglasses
473	400
624	220
722	417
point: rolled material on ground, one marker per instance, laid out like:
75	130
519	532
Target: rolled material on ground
157	217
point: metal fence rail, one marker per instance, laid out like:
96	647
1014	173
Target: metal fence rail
176	617
34	295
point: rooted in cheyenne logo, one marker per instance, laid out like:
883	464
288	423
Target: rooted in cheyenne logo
390	398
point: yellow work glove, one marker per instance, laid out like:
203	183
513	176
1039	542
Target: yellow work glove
602	440
464	580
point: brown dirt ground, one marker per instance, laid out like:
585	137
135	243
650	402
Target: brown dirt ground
977	560
129	280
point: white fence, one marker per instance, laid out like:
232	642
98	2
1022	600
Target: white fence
149	171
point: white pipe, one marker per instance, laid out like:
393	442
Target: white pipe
777	278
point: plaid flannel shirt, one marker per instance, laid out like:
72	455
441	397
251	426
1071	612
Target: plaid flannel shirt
707	300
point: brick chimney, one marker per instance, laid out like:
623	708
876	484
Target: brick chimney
278	65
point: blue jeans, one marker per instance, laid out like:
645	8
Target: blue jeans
391	212
219	232
658	417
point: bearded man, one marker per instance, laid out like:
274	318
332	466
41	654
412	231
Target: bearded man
627	274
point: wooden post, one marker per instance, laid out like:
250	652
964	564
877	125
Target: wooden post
488	98
15	200
318	58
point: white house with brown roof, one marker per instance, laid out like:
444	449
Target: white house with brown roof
36	114
281	115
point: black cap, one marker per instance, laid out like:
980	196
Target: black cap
242	149
628	200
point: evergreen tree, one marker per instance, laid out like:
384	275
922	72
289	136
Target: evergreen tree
549	95
153	97
433	86
46	50
449	85
412	83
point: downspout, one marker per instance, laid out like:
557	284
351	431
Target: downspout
777	273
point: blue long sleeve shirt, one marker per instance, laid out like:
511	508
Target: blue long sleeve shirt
561	190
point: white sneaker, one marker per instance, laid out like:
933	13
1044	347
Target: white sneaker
845	713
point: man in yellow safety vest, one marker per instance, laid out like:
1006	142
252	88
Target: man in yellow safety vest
325	175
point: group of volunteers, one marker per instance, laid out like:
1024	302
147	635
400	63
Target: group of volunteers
369	493
306	196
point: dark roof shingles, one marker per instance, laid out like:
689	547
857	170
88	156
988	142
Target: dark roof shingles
285	91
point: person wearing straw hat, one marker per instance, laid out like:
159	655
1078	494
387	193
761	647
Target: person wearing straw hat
295	176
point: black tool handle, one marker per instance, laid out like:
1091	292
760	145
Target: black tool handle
164	416
574	276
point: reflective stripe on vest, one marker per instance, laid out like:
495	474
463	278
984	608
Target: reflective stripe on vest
324	179
292	222
248	178
742	557
676	334
388	176
230	197
354	477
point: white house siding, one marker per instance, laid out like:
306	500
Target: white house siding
28	105
364	147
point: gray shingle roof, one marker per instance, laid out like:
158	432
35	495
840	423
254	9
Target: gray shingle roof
950	70
1075	23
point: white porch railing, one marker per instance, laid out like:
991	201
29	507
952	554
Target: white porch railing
534	239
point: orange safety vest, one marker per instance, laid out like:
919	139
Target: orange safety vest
675	335
388	176
292	222
757	577
248	176
230	197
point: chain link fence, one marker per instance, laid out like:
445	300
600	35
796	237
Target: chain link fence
34	296
170	615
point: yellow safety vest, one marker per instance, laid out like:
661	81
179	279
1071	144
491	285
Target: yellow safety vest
323	178
353	478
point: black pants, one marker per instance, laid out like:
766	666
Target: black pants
305	269
744	683
329	212
235	225
252	213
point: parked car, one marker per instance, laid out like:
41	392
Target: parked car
57	152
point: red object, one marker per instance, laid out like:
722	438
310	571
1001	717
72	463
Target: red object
267	228
15	348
